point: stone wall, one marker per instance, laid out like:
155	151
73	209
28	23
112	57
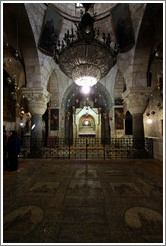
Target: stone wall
132	64
43	65
9	126
153	119
36	13
158	148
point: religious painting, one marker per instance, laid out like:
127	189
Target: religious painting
50	31
54	121
119	118
122	25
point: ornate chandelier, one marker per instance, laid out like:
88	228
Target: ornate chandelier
85	57
11	62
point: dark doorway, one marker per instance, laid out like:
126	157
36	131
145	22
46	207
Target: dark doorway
128	124
105	129
69	127
45	130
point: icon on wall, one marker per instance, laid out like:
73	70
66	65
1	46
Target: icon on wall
54	122
122	25
50	32
119	118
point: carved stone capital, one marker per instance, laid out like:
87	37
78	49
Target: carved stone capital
136	99
37	99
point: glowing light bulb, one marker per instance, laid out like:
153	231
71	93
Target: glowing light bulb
33	127
87	30
149	121
85	89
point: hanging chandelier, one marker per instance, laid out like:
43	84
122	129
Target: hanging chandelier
11	61
85	57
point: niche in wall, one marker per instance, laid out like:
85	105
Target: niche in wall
128	124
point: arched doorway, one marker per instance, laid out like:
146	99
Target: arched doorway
128	124
87	126
69	126
98	101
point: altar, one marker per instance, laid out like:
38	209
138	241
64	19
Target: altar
86	123
86	135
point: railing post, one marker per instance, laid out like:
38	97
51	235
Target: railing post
149	147
69	148
104	148
86	148
152	150
36	147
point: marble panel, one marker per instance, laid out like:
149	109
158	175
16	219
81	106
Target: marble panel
43	189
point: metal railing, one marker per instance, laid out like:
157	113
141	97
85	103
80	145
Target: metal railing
87	148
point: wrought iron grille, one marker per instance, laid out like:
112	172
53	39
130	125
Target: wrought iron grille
87	148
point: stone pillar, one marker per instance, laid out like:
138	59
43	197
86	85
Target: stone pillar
61	123
111	122
37	103
36	132
99	126
74	126
138	128
136	100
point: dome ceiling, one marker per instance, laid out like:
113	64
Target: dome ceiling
101	9
71	14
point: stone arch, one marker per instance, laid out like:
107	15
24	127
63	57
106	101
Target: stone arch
67	94
13	66
103	92
84	118
145	43
87	124
24	41
106	95
53	89
46	64
32	62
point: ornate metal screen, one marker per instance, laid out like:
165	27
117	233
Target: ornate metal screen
88	148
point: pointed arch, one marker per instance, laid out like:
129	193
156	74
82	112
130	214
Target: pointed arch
103	92
119	86
21	37
53	88
146	42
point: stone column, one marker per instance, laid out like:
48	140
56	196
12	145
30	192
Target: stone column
61	123
136	100
99	126
37	103
74	126
36	131
111	122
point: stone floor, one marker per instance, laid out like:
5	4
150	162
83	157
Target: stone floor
79	201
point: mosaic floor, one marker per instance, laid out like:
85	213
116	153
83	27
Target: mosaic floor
73	201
